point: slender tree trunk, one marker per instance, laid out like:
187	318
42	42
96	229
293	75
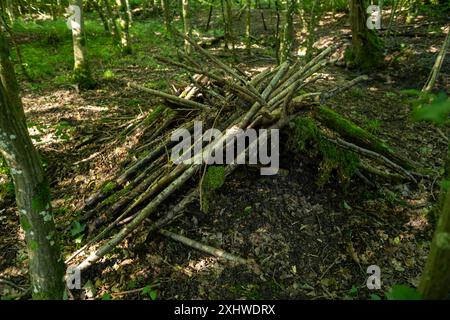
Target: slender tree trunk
428	87
129	13
209	18
16	47
165	5
99	10
115	32
53	10
366	49
248	26
124	24
311	30
81	72
10	10
229	37
46	268
435	281
261	11
187	25
288	31
277	31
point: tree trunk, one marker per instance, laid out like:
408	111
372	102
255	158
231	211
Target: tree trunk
366	49
81	72
53	10
115	32
248	27
10	10
229	38
129	13
311	30
209	18
187	25
124	24
277	31
99	10
32	192
288	31
435	282
165	4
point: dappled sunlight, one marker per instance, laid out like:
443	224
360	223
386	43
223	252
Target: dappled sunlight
351	176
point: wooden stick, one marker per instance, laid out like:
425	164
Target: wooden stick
437	65
170	97
143	214
203	247
245	93
373	155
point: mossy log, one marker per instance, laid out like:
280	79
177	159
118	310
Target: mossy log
357	135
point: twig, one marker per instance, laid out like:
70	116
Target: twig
203	247
170	97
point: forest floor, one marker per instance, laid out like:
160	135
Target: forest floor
310	242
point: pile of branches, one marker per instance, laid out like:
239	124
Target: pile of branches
225	98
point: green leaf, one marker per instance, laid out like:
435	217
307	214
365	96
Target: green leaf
402	292
375	297
79	239
147	290
346	206
106	296
445	185
131	284
77	228
353	291
437	111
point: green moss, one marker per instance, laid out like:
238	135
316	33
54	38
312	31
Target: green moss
34	245
111	199
155	114
25	223
306	136
109	187
369	55
41	198
350	130
213	180
82	76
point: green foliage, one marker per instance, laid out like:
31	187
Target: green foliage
373	126
77	228
108	74
308	137
150	292
445	184
375	297
402	292
82	76
63	130
432	108
106	296
7	186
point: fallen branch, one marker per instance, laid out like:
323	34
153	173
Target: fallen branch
203	247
